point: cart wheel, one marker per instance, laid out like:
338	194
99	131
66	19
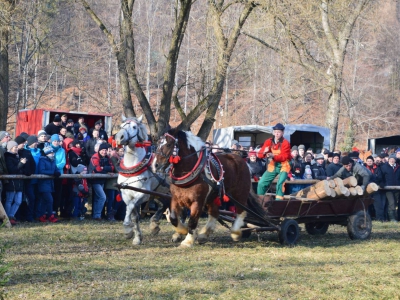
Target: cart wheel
289	233
359	226
246	233
317	228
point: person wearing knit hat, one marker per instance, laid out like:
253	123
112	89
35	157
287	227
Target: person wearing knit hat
20	141
277	150
14	187
390	174
379	196
100	163
54	127
48	166
60	160
350	168
4	138
24	135
31	140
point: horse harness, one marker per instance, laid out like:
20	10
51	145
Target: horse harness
201	169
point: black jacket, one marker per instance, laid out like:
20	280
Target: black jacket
390	175
14	166
332	168
318	172
52	129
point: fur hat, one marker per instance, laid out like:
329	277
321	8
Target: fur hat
24	135
330	154
55	137
3	134
20	140
10	145
57	118
346	160
48	150
32	139
370	157
354	154
335	154
104	146
41	132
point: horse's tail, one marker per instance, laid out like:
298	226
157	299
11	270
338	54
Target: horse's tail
255	205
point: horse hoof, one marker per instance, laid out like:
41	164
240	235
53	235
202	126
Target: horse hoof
202	239
136	242
176	237
236	237
186	245
155	230
129	235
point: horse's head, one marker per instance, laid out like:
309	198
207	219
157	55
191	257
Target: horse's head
172	144
132	131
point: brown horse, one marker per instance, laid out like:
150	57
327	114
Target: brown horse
187	158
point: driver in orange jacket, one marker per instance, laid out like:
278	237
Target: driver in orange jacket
278	150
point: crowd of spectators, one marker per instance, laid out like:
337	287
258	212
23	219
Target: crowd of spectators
63	147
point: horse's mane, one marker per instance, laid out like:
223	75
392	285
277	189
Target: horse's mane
188	138
141	128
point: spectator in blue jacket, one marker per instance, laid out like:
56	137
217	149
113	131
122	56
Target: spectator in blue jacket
47	166
60	160
33	206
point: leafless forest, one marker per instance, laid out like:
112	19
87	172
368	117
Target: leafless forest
207	64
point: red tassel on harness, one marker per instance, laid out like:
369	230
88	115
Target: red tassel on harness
174	159
118	198
226	198
217	201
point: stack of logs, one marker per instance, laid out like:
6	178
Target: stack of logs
336	188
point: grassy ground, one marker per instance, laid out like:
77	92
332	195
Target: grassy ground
88	260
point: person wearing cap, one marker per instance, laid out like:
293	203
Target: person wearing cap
47	166
54	127
60	160
64	119
379	196
14	187
391	177
318	170
100	163
355	155
277	149
351	168
335	166
102	133
33	206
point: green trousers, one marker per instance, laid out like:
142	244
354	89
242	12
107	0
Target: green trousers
268	177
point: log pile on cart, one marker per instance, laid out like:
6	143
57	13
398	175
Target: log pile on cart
326	202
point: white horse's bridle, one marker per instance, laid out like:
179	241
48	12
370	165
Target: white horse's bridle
128	131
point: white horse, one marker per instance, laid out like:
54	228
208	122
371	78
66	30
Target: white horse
136	172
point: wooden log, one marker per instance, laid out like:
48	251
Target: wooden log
317	191
332	183
359	190
347	192
3	216
352	191
350	181
338	182
372	188
333	193
341	190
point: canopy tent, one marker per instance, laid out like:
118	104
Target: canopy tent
311	136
